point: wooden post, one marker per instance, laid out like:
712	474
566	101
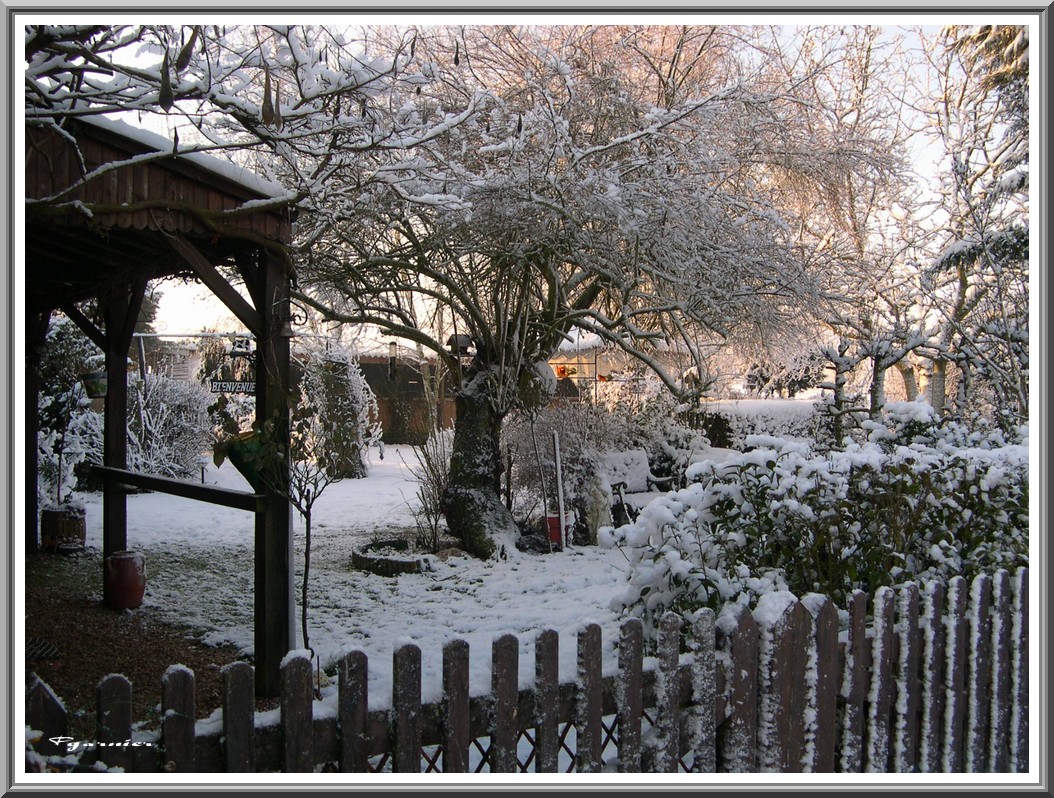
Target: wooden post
1019	673
239	744
589	701
629	694
456	706
121	311
406	709
782	694
702	726
999	747
178	718
273	583
979	676
931	731
505	721
738	639
666	755
113	720
955	676
828	679
880	693
546	701
907	705
297	704
45	713
854	687
352	709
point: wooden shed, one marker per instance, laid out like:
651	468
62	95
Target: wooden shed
110	207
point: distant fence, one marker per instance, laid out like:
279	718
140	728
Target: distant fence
930	680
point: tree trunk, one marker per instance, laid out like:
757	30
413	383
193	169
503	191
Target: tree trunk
907	374
939	385
472	500
878	387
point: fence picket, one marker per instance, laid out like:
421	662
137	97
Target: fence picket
178	716
825	634
906	704
979	676
505	693
46	714
737	640
113	721
664	745
999	710
546	702
352	711
955	676
932	731
876	753
1019	675
783	695
854	687
701	717
239	750
939	682
406	709
297	697
629	694
589	703
456	706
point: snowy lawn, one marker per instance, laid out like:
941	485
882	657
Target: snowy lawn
199	563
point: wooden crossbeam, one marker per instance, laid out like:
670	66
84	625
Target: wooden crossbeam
225	497
216	283
85	324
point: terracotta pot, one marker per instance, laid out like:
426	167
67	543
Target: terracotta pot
124	580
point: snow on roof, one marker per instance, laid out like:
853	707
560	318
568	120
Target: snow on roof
578	339
219	166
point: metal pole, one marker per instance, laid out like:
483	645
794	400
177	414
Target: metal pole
559	487
142	358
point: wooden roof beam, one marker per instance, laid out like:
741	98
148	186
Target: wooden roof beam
94	333
208	274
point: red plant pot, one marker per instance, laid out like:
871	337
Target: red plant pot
125	580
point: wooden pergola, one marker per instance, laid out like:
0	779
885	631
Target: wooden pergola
107	211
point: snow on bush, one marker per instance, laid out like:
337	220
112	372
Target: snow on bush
733	421
338	408
917	500
60	450
168	427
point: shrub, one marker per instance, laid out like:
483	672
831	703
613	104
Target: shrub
168	427
728	424
912	502
432	470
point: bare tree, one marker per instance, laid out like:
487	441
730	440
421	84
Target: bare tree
300	104
977	274
582	203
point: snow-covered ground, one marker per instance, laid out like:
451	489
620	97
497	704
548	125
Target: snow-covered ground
199	564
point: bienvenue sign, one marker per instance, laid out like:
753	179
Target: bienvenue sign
223	386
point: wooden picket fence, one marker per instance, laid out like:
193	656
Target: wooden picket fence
930	679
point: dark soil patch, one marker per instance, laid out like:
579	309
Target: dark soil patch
73	641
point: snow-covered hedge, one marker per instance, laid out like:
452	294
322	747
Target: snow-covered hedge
916	500
730	423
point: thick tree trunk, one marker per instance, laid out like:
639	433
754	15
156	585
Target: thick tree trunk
878	387
938	386
907	374
472	501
